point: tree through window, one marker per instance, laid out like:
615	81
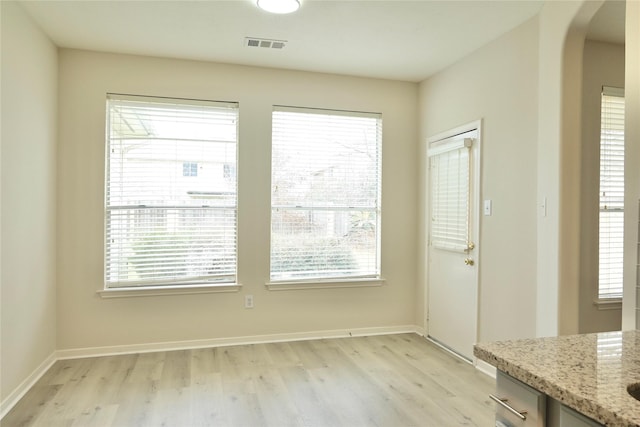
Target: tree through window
325	194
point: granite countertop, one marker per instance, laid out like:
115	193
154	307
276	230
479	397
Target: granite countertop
589	373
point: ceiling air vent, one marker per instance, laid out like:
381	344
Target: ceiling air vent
264	43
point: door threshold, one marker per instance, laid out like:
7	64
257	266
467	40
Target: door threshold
449	350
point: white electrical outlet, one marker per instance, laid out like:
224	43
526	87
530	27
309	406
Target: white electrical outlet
248	301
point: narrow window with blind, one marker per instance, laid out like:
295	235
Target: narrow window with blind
611	221
450	193
170	199
325	195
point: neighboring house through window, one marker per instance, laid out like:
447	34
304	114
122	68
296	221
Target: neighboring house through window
189	169
611	222
325	195
168	219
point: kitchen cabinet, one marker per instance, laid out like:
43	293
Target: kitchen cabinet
562	416
517	404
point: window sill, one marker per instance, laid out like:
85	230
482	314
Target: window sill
289	285
148	291
608	304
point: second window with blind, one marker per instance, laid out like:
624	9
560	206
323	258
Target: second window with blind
611	222
325	195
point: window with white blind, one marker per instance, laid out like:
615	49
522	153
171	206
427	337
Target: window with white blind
450	192
170	202
325	195
611	220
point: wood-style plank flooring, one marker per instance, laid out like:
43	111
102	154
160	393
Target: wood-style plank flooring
390	380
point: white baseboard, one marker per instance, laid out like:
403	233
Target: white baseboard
420	330
485	368
25	386
220	342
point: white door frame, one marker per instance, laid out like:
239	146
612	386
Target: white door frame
475	221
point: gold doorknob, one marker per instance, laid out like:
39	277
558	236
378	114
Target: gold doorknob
468	261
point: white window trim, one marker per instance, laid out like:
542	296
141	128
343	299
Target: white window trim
608	303
148	291
365	282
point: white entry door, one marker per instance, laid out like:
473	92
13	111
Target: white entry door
452	288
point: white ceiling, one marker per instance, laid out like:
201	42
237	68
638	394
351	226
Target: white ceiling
392	39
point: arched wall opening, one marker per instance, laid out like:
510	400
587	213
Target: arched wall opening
563	28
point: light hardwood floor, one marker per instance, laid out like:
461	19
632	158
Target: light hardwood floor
390	380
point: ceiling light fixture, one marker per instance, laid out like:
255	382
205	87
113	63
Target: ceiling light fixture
279	6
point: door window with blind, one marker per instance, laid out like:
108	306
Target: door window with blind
325	195
450	193
611	222
171	200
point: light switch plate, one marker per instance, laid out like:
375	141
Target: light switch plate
487	207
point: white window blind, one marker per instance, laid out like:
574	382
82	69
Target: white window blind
325	194
164	226
449	163
611	221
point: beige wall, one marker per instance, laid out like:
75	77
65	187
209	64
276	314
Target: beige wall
497	84
29	117
86	320
562	30
555	19
603	65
